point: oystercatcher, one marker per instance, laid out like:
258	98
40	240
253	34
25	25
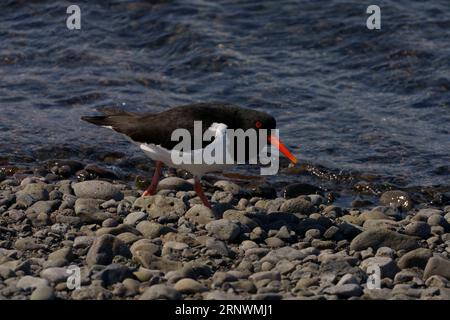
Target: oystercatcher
153	131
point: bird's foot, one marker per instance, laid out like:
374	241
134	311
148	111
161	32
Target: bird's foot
151	190
199	190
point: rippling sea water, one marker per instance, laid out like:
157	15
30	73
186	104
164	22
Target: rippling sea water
345	97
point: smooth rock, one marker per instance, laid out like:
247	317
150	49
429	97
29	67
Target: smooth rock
28	243
415	258
383	238
104	249
161	206
345	290
397	199
387	266
113	273
159	292
437	266
298	189
188	285
200	214
224	229
152	230
55	274
135	217
228	186
37	191
174	183
96	189
29	282
43	293
297	205
265	275
418	229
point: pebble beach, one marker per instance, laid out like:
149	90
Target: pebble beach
266	242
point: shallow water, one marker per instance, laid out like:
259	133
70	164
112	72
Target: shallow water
345	97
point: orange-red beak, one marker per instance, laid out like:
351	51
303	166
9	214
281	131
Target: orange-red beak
277	143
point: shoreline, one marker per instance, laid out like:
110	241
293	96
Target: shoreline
254	244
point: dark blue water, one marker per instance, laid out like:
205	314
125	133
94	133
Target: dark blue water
345	97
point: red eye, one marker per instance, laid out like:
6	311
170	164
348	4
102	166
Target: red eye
258	124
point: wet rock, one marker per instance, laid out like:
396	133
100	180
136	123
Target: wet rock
349	230
174	183
397	199
383	238
200	214
96	189
104	249
160	291
99	172
437	266
188	285
265	191
298	189
223	229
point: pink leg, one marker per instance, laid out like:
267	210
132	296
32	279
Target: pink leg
198	188
151	190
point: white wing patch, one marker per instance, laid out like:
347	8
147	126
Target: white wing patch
159	153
